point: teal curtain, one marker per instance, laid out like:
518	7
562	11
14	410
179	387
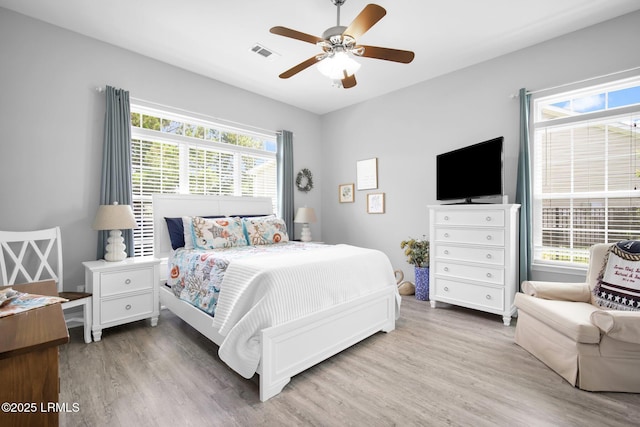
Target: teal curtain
285	179
116	160
523	189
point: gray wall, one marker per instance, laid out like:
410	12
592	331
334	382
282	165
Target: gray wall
52	117
406	129
52	125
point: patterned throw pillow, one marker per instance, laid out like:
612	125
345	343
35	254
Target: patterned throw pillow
265	230
215	233
618	286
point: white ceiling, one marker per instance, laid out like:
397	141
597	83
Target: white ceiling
213	37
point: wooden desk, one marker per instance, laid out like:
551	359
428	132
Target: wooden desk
29	361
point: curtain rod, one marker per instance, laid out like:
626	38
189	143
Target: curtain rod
531	92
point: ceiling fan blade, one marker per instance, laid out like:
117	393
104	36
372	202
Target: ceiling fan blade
301	66
371	14
395	55
349	81
288	32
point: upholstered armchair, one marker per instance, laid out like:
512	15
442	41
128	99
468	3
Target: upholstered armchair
593	347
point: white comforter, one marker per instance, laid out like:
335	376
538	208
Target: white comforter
269	290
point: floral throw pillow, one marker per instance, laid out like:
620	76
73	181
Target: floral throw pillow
265	230
215	233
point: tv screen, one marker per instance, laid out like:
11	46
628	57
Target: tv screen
470	172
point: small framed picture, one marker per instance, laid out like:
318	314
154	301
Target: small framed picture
367	174
375	203
345	193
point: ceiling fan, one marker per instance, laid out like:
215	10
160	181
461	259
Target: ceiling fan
339	46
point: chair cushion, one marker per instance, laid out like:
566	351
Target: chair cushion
570	318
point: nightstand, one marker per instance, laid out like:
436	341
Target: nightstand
123	291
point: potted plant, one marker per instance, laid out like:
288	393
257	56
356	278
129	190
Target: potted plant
417	252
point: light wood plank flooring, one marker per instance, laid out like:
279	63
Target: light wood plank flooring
440	367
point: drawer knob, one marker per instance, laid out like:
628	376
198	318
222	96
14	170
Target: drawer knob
127	282
488	296
446	269
489	237
488	256
488	218
446	252
127	307
446	218
488	274
446	234
446	288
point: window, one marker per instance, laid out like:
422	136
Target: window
586	170
172	153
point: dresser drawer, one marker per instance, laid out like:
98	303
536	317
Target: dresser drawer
489	217
118	309
488	255
477	296
126	281
480	273
488	237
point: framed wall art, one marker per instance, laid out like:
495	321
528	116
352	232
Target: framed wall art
367	174
375	203
345	193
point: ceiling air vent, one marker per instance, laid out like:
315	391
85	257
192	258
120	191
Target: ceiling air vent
264	52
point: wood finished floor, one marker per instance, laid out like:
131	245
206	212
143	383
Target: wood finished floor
440	367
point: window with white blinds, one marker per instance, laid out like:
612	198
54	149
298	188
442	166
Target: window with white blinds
586	171
173	153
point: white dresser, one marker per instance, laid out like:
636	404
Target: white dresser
123	291
474	257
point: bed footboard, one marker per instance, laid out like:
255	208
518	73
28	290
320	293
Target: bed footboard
295	346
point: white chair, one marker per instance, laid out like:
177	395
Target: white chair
594	348
32	256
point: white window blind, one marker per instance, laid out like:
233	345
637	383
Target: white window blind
155	169
586	171
174	153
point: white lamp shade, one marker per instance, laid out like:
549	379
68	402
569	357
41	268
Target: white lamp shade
114	217
335	66
305	215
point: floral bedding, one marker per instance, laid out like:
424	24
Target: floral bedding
195	275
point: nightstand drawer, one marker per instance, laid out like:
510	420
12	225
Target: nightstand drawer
116	310
126	281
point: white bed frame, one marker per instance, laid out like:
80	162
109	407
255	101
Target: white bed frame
289	348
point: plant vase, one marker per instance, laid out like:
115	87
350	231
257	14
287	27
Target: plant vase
422	283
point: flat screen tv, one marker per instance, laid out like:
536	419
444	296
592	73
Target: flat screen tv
471	172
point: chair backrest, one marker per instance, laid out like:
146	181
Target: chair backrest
31	256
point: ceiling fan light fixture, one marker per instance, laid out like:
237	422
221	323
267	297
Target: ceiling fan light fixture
334	66
339	47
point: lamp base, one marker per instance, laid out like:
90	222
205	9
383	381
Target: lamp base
115	249
305	235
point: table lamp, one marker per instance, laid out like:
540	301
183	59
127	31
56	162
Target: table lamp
305	216
114	217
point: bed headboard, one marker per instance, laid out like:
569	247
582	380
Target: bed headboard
177	205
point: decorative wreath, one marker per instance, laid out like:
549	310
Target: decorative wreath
304	180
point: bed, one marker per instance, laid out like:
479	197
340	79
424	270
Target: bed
280	347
